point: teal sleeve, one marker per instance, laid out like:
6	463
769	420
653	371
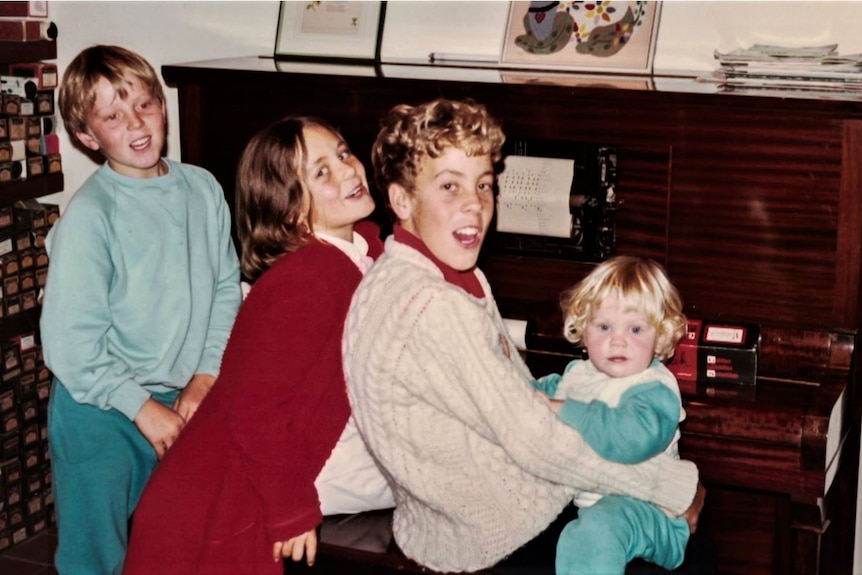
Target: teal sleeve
228	295
548	384
138	301
640	427
76	314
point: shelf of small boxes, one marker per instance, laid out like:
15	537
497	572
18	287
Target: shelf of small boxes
29	145
26	501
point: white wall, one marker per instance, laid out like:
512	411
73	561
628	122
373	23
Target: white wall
689	31
164	33
174	32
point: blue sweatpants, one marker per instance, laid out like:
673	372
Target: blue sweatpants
617	529
100	463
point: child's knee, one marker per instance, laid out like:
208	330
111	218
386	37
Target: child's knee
588	546
671	553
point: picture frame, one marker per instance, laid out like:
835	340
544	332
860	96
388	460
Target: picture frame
37	8
614	36
330	31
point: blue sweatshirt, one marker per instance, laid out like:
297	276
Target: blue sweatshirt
143	286
624	420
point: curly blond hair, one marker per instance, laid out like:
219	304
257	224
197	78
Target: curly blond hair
409	134
639	281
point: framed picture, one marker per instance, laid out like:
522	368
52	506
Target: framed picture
610	36
38	8
330	30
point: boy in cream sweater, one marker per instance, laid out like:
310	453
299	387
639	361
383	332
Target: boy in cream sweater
477	462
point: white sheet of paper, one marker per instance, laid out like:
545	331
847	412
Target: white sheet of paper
534	196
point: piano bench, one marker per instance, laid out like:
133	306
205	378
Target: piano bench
362	544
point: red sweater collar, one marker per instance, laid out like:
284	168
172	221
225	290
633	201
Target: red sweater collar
465	280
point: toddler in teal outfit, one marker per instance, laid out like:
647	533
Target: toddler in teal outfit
140	299
626	405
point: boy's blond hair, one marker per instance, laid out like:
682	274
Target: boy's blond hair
116	65
411	133
640	282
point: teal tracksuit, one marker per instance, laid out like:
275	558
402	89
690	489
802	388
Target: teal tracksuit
624	420
141	295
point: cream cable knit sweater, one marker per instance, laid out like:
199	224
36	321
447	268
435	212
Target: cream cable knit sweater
478	465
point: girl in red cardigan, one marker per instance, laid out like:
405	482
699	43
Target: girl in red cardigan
240	488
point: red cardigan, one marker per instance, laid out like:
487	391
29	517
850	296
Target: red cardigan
241	475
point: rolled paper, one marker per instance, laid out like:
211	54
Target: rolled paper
517	331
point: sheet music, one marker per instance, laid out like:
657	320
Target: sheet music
534	196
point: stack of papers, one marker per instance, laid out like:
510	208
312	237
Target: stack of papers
766	67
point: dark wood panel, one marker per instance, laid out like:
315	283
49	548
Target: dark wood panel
752	465
790	352
768	208
36	187
744	212
12	52
847	278
643	191
741	524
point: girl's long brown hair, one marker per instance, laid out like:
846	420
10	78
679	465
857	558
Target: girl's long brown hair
272	204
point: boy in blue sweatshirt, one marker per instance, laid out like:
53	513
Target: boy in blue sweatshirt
141	297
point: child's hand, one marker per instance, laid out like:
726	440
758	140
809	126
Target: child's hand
553	404
190	398
160	425
296	547
692	514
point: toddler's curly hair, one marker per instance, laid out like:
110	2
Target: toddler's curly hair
642	283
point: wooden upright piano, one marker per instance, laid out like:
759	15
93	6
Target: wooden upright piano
753	203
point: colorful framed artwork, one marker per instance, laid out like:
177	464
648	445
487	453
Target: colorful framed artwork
330	30
593	35
38	8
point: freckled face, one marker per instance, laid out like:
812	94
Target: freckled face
130	131
451	206
619	338
336	181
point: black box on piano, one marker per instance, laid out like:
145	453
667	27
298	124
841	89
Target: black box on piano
717	352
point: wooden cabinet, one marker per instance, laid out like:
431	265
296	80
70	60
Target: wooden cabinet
24	380
30	51
12	53
31	188
754	206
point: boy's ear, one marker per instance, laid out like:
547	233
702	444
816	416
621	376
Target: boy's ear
88	140
400	201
